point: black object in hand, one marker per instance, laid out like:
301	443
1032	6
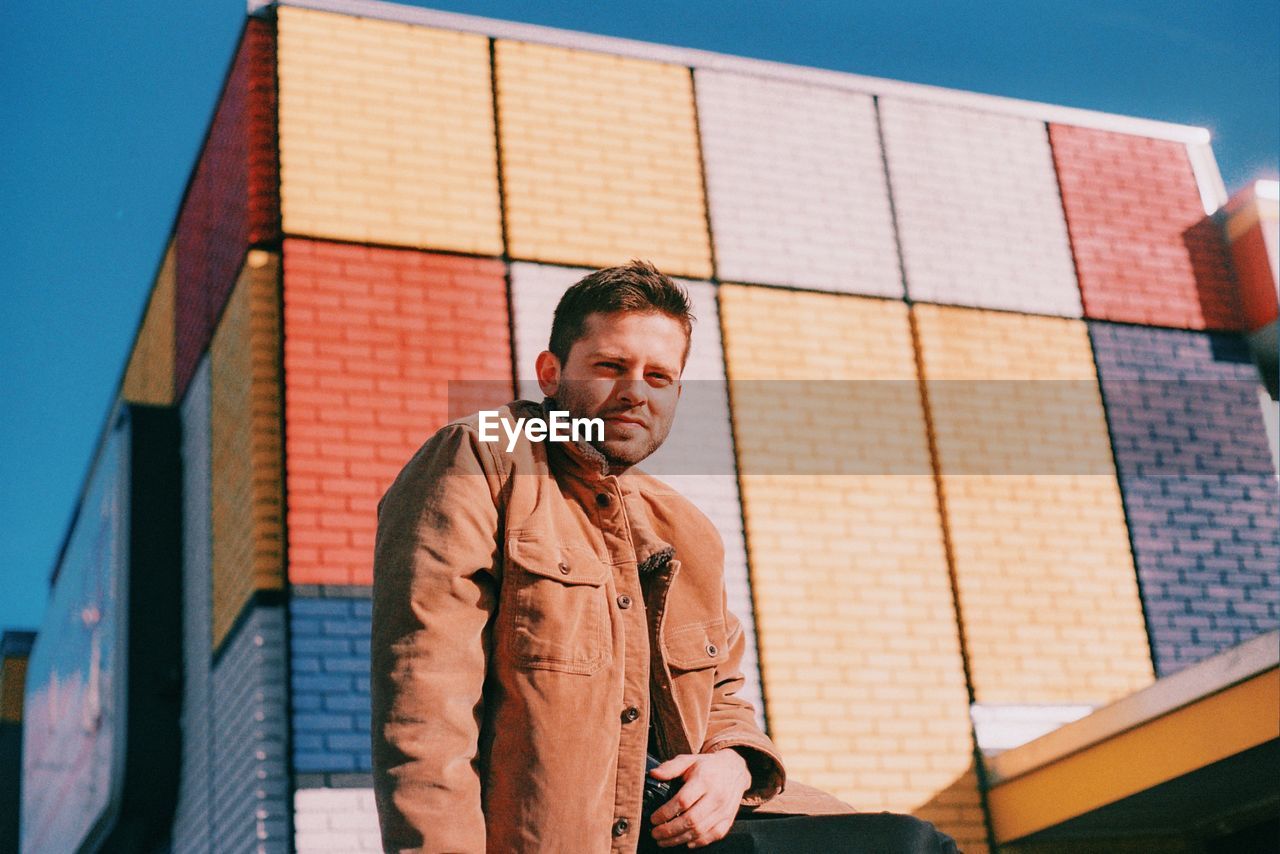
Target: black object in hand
656	792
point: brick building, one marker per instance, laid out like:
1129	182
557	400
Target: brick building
1037	330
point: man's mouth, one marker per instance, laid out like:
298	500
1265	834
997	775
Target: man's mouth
625	419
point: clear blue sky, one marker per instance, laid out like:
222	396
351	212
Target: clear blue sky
103	105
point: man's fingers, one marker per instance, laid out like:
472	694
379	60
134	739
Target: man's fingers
688	826
714	835
673	768
689	794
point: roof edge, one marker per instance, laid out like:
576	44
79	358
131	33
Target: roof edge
693	57
1203	679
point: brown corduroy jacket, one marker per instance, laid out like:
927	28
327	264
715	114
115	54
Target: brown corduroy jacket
531	611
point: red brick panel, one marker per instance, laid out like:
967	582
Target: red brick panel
1144	250
1258	298
232	201
372	338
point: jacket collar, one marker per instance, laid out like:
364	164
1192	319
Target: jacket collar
583	461
579	458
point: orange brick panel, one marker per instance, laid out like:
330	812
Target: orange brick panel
859	648
373	336
386	133
231	202
600	159
1044	572
1145	251
247	472
149	376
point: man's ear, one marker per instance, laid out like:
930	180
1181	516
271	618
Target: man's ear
548	370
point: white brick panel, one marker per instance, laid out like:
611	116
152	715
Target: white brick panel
795	185
979	213
344	820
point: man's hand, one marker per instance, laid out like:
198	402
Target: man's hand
704	809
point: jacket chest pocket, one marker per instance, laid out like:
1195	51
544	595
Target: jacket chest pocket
693	652
559	619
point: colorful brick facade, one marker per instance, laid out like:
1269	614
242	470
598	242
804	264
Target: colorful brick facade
945	497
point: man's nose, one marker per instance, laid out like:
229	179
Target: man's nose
631	390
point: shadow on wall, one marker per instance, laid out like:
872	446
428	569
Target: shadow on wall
1216	288
957	811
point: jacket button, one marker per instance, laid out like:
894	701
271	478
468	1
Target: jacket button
602	500
564	568
630	714
712	649
624	601
620	826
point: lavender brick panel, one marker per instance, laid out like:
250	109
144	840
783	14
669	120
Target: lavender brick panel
1199	490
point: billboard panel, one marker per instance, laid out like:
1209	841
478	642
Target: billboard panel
72	745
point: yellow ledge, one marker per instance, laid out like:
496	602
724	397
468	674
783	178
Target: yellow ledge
1163	748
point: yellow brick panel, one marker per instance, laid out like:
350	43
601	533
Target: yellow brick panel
859	647
247	467
600	159
149	377
1044	572
386	133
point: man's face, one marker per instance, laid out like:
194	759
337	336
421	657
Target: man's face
626	370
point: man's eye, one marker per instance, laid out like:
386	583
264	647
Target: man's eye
659	380
613	366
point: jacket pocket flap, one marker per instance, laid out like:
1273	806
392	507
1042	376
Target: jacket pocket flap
566	565
695	647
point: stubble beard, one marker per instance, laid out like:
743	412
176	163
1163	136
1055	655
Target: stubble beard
617	457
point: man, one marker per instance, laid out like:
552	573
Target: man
544	616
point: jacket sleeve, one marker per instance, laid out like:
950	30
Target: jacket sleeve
732	721
434	592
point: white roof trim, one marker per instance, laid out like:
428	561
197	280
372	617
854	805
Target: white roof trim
1183	688
1213	192
743	65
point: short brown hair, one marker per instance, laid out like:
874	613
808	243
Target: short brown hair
637	286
